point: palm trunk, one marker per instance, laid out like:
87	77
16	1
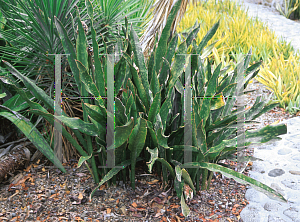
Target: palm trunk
13	160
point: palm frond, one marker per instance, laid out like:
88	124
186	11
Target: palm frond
161	10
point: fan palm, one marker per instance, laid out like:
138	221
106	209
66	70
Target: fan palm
30	35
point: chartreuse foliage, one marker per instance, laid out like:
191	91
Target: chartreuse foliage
149	121
283	78
236	34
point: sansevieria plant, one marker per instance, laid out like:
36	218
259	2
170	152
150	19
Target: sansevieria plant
150	115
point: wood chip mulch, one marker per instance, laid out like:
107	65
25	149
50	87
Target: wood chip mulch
42	193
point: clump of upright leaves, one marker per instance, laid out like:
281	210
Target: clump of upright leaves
149	115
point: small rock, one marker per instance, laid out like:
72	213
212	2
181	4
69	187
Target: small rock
292	183
271	206
296	157
292	213
251	213
294	172
284	151
276	172
275	219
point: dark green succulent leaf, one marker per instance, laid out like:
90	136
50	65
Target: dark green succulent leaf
122	133
49	117
82	159
188	180
178	66
138	84
129	103
154	157
164	110
136	144
201	137
162	139
151	68
81	43
265	109
100	127
90	9
182	147
193	34
88	81
95	112
138	136
139	61
252	136
170	54
30	85
179	87
99	75
177	136
241	178
207	37
162	44
255	109
120	112
76	123
111	173
119	71
178	173
211	90
178	187
152	134
34	136
68	48
17	103
155	107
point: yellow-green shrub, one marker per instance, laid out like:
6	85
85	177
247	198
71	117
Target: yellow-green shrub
283	78
236	34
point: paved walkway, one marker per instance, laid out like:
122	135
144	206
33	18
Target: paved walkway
280	168
288	29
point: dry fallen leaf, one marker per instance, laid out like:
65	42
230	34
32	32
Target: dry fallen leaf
153	181
178	218
134	204
80	196
81	174
123	209
108	210
28	168
156	205
157	200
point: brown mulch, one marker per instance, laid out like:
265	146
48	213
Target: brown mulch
43	193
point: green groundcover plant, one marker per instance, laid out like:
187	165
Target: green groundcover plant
149	116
